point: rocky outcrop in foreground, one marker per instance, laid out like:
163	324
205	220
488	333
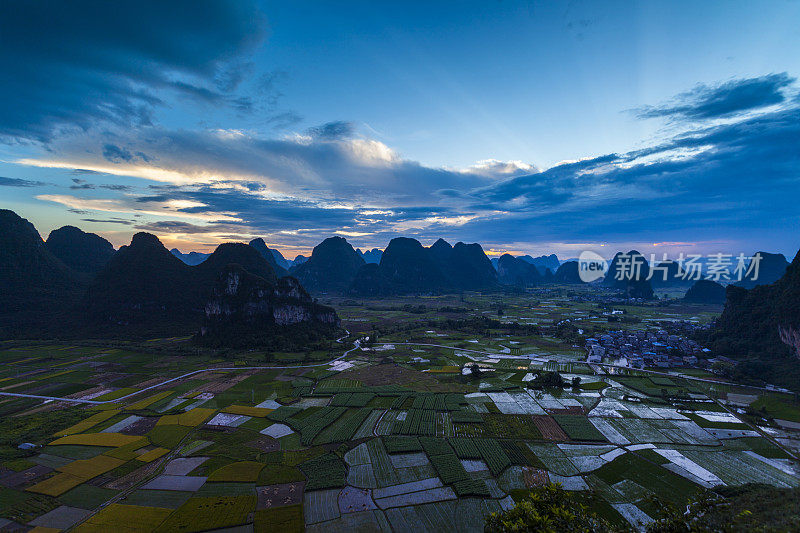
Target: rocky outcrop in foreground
247	307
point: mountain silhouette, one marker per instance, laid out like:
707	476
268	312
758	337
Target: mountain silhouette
567	273
629	273
771	268
269	255
705	291
36	288
516	271
331	268
83	252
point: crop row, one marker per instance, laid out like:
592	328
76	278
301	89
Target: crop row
465	448
398	444
578	428
434	446
417	422
449	468
356	399
311	426
466	417
324	472
283	413
345	427
491	452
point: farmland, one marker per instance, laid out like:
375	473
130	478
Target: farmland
402	436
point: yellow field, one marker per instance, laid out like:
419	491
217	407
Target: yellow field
192	418
446	370
259	412
56	485
89	468
152	455
147	402
114	440
90	422
125	518
127	452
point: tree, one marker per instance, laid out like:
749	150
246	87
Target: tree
745	508
546	378
475	371
547	509
576	383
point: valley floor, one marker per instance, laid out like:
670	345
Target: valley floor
388	430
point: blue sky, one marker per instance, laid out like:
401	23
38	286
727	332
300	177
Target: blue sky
530	127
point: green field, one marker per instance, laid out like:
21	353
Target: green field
399	436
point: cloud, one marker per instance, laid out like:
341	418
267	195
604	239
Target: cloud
733	179
333	131
115	154
172	207
108	221
73	66
333	163
115	187
17	182
79	184
724	99
497	168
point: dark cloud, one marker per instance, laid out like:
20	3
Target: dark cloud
79	184
115	187
72	65
115	154
730	180
157	198
17	182
179	226
333	162
724	99
333	130
108	221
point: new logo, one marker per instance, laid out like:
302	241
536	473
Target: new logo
591	266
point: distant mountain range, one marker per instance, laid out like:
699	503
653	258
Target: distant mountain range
73	285
278	260
273	257
370	256
408	267
192	258
145	282
543	263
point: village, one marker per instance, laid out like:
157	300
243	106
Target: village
639	349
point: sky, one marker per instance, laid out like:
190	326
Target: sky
529	127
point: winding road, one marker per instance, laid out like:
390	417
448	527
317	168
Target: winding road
356	346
